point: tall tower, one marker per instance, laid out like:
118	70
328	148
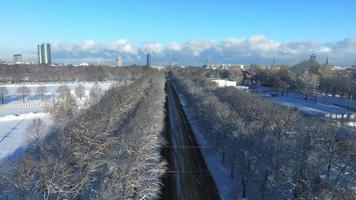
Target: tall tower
148	60
44	53
207	63
39	54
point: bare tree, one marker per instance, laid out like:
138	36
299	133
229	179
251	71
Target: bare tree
95	93
3	93
310	84
36	130
41	91
64	107
23	92
63	91
80	91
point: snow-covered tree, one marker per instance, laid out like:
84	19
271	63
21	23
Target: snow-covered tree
3	93
41	91
309	84
80	91
23	92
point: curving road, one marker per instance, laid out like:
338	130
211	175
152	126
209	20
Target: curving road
188	177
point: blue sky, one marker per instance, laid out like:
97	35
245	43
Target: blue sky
28	22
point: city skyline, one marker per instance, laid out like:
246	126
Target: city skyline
188	32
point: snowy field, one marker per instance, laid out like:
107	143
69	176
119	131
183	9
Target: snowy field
12	98
13	131
323	107
14	118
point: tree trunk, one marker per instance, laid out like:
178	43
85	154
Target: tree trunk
244	187
232	172
328	171
223	155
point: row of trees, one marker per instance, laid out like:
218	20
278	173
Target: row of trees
109	151
19	73
23	92
274	152
304	76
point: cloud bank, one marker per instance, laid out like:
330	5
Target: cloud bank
255	49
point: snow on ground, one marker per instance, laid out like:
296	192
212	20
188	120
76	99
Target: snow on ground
18	111
229	188
12	98
321	106
13	131
15	120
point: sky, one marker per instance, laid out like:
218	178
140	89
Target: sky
186	31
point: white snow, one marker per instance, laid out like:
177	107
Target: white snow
13	131
228	187
12	98
15	116
224	83
323	105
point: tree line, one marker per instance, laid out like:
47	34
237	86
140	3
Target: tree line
273	152
110	150
309	77
35	73
23	92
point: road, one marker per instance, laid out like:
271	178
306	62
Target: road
188	177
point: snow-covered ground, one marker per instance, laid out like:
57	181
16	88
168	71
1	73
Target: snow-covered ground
13	131
321	106
324	106
15	116
228	187
12	98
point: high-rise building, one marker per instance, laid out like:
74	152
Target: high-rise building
207	63
17	58
118	61
148	60
44	54
39	54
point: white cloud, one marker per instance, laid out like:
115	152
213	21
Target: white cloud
121	45
153	47
175	46
254	49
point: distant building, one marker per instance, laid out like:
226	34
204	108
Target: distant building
118	62
84	64
2	61
148	60
17	58
44	54
208	64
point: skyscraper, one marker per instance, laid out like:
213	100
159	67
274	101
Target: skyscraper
148	60
39	54
44	54
17	58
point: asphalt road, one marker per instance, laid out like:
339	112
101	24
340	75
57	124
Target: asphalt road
188	177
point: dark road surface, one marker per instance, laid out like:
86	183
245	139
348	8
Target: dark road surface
188	177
